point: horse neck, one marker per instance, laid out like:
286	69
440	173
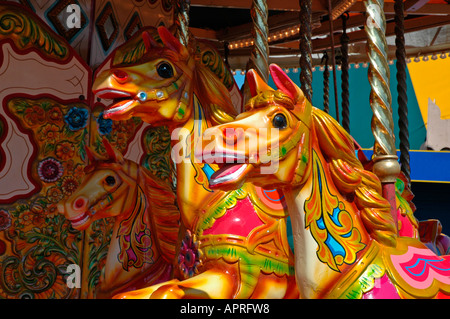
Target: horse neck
133	223
316	209
191	180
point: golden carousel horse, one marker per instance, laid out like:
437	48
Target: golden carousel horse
232	244
145	232
345	238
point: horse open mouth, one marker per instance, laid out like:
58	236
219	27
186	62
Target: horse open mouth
231	173
122	101
79	220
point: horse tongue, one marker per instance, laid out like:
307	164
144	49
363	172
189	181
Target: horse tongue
229	176
226	170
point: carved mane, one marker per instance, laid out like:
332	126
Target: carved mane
165	214
351	178
213	95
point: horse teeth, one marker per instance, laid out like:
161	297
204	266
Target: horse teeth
81	222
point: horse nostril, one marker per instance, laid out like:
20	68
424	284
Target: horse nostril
79	203
120	75
232	136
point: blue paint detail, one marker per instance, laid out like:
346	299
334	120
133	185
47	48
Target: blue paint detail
429	262
270	198
199	118
320	181
290	236
335	248
207	169
335	216
347	235
320	223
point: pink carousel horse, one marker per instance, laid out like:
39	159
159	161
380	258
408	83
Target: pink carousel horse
145	232
346	242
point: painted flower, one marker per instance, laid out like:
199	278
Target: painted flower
189	256
52	211
34	115
49	133
78	171
65	150
26	218
54	194
38	218
104	126
76	118
55	114
5	219
50	170
69	166
69	185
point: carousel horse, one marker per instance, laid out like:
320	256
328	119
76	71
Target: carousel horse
345	238
233	244
145	232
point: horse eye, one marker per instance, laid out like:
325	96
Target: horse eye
279	121
110	180
165	70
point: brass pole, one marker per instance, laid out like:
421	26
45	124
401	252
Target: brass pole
182	20
305	47
386	166
259	59
333	60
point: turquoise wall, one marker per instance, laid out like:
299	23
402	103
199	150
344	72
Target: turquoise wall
360	111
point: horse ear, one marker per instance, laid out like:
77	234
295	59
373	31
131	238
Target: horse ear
284	83
171	42
149	42
113	154
90	154
256	84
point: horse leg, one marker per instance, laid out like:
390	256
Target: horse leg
209	284
143	293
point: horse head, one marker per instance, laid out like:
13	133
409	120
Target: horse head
104	190
157	87
268	144
280	140
160	85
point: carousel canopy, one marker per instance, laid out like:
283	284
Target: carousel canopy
228	23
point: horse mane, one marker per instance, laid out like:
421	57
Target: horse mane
213	94
350	178
165	213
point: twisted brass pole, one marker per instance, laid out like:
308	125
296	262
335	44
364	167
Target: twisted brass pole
306	48
333	60
326	83
345	94
386	166
400	54
182	20
259	59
